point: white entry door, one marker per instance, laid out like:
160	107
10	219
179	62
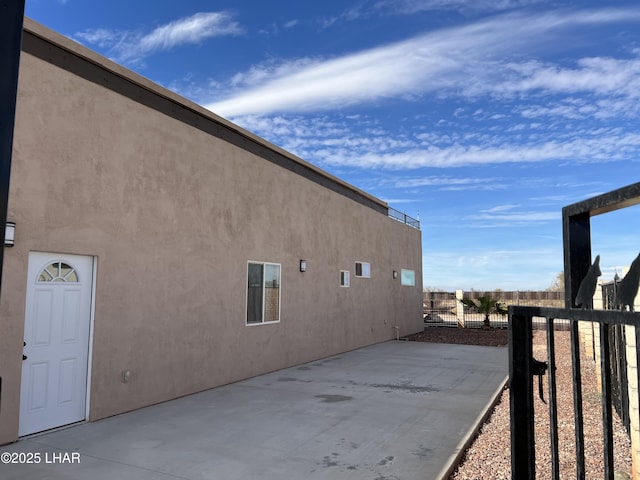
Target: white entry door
56	335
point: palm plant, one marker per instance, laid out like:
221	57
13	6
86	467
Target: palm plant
486	306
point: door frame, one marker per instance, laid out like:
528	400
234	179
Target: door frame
92	312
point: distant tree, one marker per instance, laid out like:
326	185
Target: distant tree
433	289
486	306
558	283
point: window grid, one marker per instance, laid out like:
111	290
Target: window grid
263	293
58	272
345	280
363	270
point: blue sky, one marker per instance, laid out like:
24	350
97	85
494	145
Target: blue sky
482	118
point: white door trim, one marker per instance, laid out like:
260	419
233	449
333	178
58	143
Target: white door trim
90	352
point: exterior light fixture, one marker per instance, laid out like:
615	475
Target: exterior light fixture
303	265
395	274
9	234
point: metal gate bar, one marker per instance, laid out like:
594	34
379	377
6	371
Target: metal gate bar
523	454
553	402
577	399
607	405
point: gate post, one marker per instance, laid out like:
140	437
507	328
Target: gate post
521	397
12	15
460	307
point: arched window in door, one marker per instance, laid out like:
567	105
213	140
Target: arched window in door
58	272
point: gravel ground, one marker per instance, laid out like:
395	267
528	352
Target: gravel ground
488	458
470	336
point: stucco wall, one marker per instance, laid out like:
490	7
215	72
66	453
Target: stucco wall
172	215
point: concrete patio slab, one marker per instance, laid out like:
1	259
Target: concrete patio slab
396	410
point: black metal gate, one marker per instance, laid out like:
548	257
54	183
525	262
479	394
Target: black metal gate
612	350
523	367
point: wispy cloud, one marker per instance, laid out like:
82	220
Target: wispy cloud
593	74
512	218
385	8
361	143
450	183
471	60
624	104
581	150
500	209
408	7
353	13
133	46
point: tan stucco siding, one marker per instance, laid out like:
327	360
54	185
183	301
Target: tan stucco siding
172	215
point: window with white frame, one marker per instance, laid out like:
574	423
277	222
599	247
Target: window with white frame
344	278
408	277
363	269
263	293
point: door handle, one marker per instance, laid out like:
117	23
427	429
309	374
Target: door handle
24	357
539	368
